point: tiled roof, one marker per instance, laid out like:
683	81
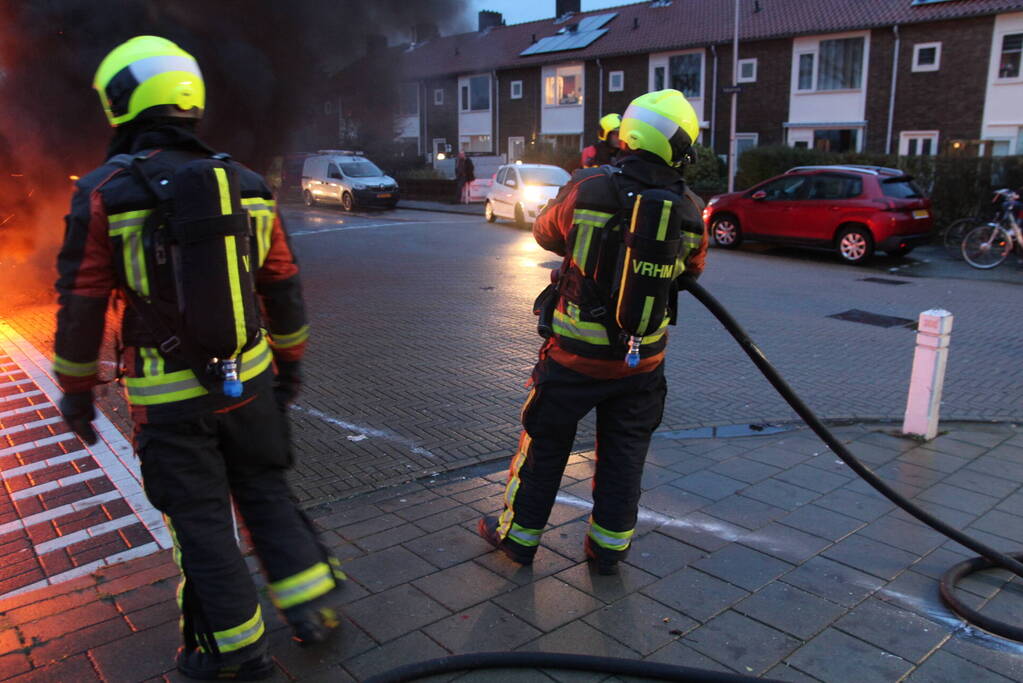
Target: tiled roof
641	28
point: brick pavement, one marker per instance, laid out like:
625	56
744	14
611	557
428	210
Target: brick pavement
758	555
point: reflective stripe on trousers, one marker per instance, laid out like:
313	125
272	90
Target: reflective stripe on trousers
611	540
304	586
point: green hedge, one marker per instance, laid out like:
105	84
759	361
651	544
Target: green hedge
957	185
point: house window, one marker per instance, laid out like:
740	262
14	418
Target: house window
516	90
571	143
748	70
926	56
474	143
438	97
836	140
516	148
328	107
836	64
1012	46
918	143
408	99
686	74
659	78
616	81
563	87
475	92
743	142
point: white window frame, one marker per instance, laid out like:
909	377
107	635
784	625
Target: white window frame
999	41
464	103
663	60
438	97
611	85
918	135
748	79
515	90
814	73
560	72
919	47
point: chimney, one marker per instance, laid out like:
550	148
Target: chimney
423	32
376	44
490	19
563	7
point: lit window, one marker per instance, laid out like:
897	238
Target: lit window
563	87
616	81
516	90
926	56
748	70
1012	46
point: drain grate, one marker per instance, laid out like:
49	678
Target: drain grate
884	281
855	315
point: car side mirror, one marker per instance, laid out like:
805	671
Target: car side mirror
759	195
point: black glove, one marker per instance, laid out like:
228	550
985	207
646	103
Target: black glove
287	383
78	413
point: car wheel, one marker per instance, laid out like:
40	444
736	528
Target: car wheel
900	252
488	211
308	198
520	216
347	201
726	231
855	245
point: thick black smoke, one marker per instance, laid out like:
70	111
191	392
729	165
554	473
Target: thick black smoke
265	63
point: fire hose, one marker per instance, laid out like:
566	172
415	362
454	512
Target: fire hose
987	558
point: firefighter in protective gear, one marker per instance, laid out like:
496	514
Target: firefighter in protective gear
198	449
581	364
606	149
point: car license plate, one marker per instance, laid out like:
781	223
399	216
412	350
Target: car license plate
921	213
387	195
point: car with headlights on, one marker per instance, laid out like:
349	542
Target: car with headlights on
347	178
850	210
521	190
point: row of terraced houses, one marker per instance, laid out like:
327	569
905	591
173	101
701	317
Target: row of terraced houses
901	76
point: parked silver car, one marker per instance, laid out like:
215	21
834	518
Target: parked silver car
346	178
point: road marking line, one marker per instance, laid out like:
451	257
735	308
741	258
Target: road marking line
57	484
365	432
43	464
131	554
85	534
342	228
47	515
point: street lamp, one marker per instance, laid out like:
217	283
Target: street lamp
735	101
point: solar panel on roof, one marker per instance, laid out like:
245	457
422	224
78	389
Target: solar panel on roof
568	41
572	37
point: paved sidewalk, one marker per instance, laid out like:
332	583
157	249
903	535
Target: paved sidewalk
761	555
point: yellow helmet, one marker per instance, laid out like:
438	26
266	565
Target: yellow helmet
609	123
149	75
661	122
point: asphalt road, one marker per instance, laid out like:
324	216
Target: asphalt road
423	341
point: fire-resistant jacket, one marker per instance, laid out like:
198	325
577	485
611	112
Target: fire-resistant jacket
573	226
103	252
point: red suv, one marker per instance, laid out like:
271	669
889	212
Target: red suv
852	210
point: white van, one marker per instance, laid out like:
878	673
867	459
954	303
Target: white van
347	178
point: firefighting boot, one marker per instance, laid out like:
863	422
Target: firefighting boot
312	622
515	551
602	560
251	663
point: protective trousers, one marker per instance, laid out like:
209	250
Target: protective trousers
629	409
191	470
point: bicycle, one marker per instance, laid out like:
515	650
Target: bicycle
957	231
988	245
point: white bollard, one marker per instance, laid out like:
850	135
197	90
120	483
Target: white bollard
929	360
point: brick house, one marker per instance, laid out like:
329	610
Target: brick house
905	76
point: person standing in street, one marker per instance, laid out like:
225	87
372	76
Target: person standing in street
191	240
606	149
582	364
465	173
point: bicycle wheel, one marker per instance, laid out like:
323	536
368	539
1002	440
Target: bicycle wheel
986	246
956	231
